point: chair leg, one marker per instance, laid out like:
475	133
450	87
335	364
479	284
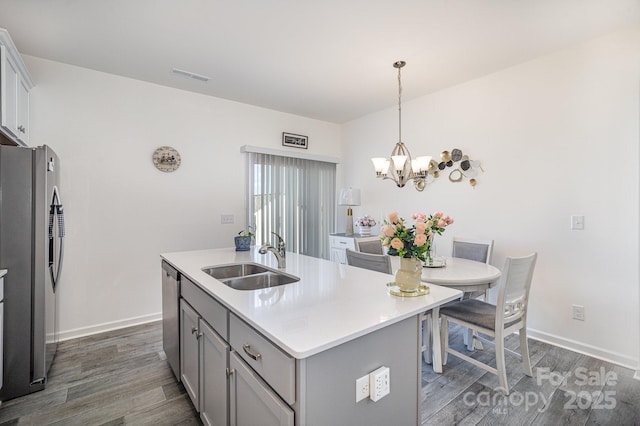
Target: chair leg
427	338
524	351
437	350
471	340
477	344
444	338
500	363
467	338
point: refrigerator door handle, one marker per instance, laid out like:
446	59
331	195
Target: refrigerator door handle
56	209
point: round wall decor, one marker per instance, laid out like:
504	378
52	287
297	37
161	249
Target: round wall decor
166	159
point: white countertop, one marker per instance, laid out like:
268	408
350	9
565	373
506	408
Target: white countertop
330	305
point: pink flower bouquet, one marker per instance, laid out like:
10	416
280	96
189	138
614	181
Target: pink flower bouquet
412	241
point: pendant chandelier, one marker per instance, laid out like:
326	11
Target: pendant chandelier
400	167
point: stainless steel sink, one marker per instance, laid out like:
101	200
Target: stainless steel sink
249	276
235	270
255	282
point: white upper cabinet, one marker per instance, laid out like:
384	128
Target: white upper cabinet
15	83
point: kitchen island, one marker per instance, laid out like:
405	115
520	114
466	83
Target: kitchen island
299	348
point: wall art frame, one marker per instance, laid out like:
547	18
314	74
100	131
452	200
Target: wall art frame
295	141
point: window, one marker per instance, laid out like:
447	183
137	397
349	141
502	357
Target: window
295	198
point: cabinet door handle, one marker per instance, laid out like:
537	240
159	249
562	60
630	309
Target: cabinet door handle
247	350
194	330
230	372
199	335
21	128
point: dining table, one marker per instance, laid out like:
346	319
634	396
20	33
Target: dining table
462	274
458	273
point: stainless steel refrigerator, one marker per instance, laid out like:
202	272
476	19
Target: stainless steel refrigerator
31	250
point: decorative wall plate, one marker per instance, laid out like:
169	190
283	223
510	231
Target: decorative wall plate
166	159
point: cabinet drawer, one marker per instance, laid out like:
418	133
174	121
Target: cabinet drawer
342	242
252	401
276	367
208	308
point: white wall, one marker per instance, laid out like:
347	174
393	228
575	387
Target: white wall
557	136
121	212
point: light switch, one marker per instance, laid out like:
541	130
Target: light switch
577	222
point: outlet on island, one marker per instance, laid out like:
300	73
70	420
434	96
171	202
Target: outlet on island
379	384
362	388
374	385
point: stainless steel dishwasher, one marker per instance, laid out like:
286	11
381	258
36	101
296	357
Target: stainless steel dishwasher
171	316
2	274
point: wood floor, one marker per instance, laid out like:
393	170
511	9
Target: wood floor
121	377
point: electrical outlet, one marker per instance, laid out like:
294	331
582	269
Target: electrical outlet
379	384
226	219
578	312
362	388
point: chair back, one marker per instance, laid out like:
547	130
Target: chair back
373	247
478	250
515	283
375	262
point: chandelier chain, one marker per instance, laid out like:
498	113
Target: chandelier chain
399	106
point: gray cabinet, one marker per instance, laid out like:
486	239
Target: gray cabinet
214	394
203	365
272	364
223	390
252	400
190	352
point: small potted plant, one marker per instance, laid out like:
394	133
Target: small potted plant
243	239
364	224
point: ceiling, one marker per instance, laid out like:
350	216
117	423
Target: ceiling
329	59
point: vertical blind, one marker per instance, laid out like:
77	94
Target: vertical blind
295	198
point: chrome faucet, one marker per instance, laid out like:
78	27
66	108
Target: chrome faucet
278	252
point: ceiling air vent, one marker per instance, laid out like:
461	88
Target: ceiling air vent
187	74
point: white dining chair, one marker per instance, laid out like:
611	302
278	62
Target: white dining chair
375	262
500	320
369	246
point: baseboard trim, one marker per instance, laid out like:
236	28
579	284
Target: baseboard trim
572	345
108	326
590	350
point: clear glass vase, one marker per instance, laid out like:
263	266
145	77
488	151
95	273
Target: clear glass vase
430	254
